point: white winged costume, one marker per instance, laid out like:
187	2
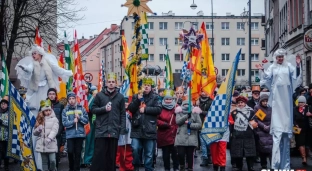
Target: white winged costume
38	77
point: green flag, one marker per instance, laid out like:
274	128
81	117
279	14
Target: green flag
169	74
4	78
69	62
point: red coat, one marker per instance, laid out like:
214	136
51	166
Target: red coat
167	127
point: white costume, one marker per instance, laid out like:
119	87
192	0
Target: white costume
38	77
281	79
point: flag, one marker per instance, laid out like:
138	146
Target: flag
21	122
38	39
69	62
62	93
260	114
100	83
185	73
79	85
4	78
144	34
208	78
195	65
49	49
169	74
124	90
216	121
132	74
125	51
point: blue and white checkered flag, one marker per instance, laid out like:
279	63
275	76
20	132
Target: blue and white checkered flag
125	87
185	74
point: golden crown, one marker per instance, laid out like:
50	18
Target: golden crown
148	81
45	103
112	76
168	92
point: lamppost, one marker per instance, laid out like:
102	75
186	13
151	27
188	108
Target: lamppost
120	62
193	5
212	44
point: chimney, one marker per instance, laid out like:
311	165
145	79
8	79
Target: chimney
228	14
113	27
91	37
82	37
200	13
95	36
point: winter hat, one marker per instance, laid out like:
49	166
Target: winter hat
168	94
263	97
236	93
241	98
71	94
302	99
36	48
52	89
161	90
45	105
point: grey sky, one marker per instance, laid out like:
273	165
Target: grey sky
101	13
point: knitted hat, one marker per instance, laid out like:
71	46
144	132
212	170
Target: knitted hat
168	94
52	89
263	97
45	105
71	94
185	102
241	98
302	99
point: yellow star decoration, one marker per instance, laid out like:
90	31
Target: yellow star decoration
137	6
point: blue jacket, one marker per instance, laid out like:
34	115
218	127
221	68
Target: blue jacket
68	116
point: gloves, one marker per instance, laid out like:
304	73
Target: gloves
178	110
266	128
197	110
48	140
1	121
93	118
189	114
39	128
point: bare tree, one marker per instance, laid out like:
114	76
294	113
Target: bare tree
20	18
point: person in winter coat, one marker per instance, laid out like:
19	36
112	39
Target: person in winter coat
302	113
309	95
47	130
186	139
124	144
243	142
74	118
167	129
263	131
180	95
4	130
110	122
145	108
233	107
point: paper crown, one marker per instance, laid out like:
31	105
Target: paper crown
148	81
180	89
111	76
168	92
45	103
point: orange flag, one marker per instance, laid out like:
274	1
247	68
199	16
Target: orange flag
62	93
38	39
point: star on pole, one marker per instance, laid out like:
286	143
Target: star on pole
137	6
191	39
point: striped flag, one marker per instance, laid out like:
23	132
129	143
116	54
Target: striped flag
69	63
101	74
4	78
125	51
144	34
79	85
49	49
38	39
168	69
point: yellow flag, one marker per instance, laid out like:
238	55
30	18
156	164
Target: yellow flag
62	93
260	114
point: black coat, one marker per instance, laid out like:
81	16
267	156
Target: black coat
109	123
251	103
204	106
147	122
58	109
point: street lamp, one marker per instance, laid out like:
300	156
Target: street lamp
120	62
193	5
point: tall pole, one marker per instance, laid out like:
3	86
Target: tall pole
249	45
212	30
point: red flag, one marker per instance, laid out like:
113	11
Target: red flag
49	49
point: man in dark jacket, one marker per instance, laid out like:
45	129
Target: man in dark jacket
255	97
57	108
145	108
109	108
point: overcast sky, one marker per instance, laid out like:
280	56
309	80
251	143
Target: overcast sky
100	14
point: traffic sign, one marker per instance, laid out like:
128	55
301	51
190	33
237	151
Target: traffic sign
216	70
88	77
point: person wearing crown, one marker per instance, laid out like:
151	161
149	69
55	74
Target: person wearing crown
110	121
4	127
145	108
38	74
282	79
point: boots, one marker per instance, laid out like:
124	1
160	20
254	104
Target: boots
222	168
303	155
209	161
215	167
204	162
182	168
136	168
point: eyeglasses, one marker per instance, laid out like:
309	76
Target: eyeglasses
110	81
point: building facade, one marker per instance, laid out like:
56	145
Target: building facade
229	36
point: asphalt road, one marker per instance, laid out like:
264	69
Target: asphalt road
295	161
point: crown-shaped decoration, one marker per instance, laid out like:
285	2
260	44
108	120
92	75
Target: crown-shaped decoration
148	81
111	76
180	89
45	103
168	92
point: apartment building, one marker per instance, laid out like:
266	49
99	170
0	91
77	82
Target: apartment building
230	33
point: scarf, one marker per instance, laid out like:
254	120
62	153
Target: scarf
168	106
301	109
203	99
241	121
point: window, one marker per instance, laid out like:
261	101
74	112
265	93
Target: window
240	26
225	41
254	57
254	72
241	41
150	25
162	41
177	41
224	72
162	57
254	41
150	57
115	48
177	57
150	41
211	41
162	25
209	25
240	72
254	25
225	57
242	57
195	24
225	25
177	70
178	25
